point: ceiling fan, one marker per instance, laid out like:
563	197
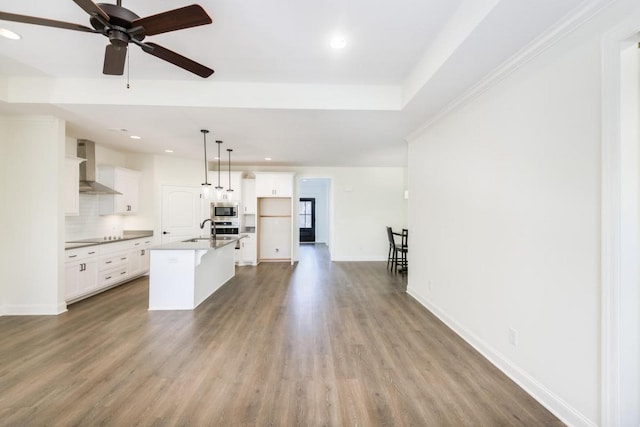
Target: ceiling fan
122	27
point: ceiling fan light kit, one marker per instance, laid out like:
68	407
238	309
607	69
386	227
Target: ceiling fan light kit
122	26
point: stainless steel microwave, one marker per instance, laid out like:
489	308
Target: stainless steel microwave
224	210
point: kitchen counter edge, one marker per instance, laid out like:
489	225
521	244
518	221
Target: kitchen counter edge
201	245
127	235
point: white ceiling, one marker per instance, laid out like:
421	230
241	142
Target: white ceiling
279	90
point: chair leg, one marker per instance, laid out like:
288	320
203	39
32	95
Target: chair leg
395	261
389	256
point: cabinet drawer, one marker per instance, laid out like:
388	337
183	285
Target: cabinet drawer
115	275
114	260
80	253
141	243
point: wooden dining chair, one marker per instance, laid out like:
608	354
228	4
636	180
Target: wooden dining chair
402	251
391	257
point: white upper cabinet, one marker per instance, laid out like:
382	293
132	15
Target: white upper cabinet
274	184
249	196
127	182
224	195
71	185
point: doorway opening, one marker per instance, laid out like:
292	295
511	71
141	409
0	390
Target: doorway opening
314	211
307	212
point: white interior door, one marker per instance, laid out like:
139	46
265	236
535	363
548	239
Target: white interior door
182	213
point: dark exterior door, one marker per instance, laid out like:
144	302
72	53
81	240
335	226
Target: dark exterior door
307	219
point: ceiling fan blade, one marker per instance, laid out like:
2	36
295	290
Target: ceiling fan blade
4	16
92	9
114	58
176	59
177	19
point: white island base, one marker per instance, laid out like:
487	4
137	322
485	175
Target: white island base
181	276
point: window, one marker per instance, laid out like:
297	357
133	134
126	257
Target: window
306	214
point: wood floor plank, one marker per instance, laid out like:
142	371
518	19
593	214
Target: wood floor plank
314	344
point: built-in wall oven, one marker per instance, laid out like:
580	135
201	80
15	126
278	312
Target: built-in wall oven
226	228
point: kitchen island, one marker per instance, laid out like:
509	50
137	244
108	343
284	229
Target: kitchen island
183	274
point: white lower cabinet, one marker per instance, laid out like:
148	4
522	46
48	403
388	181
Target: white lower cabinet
96	268
80	278
139	258
81	269
248	250
113	268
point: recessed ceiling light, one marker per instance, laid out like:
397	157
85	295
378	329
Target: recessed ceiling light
168	151
135	137
338	42
267	158
8	34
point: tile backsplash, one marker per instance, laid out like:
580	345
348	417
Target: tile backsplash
89	224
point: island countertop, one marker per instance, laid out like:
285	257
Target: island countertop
199	243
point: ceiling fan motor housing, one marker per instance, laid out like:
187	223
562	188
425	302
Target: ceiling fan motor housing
117	29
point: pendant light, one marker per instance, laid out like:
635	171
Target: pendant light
229	190
206	187
219	187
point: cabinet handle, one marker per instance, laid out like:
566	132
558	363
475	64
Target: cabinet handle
137	244
123	258
107	278
124	272
108	262
72	256
142	252
91	253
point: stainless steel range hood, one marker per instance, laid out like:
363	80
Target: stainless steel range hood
88	184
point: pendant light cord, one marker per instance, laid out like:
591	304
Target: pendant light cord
218	187
229	150
204	134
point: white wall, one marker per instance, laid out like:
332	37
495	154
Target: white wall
630	237
32	165
505	217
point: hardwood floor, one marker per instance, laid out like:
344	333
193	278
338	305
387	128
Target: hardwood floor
314	344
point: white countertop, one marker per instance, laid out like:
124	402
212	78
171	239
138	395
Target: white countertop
200	243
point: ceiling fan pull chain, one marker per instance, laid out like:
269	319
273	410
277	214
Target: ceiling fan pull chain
128	63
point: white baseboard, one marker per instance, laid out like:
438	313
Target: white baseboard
34	309
547	398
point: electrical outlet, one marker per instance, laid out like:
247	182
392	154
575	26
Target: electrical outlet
513	337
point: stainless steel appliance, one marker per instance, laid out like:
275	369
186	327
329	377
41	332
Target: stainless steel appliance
224	210
226	228
224	216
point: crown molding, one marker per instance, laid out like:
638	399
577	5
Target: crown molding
573	20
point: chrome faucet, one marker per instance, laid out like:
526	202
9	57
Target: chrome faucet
213	228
